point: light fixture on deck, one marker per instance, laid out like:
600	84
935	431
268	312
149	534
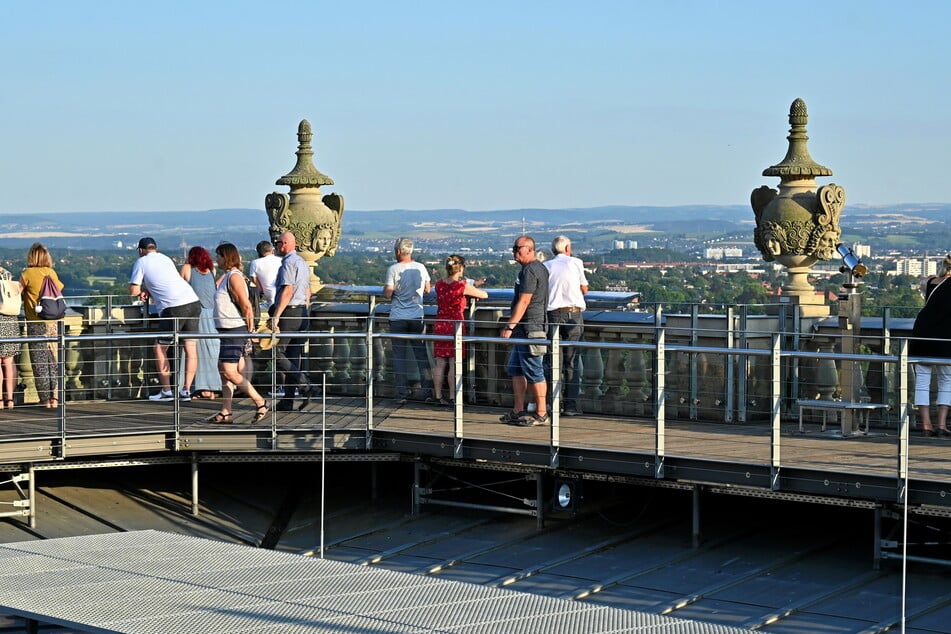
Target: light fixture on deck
567	495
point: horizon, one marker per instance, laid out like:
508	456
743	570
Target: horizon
436	106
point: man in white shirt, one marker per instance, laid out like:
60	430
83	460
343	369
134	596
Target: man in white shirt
155	277
263	270
567	286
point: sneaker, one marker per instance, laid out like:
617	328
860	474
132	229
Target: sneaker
162	396
511	417
532	420
184	395
278	393
570	410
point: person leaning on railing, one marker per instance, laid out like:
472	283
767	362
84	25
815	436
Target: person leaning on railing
932	324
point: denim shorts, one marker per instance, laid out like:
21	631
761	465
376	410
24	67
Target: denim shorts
232	348
522	363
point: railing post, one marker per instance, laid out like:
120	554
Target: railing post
743	368
775	402
904	421
557	385
730	370
457	390
660	406
61	381
693	386
371	368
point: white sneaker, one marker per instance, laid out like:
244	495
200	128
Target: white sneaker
184	395
162	396
278	393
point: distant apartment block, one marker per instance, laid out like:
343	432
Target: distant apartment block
862	250
625	244
719	253
917	267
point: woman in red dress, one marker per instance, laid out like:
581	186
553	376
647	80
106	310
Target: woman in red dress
451	294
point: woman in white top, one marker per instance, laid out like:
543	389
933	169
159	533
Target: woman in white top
234	314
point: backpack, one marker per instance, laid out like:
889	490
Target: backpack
10	300
52	304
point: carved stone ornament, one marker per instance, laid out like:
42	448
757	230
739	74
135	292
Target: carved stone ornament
314	219
797	225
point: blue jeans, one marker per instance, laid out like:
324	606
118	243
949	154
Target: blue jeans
570	328
401	352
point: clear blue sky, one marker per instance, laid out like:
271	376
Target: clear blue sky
189	105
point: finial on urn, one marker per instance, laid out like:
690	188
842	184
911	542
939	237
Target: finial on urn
304	174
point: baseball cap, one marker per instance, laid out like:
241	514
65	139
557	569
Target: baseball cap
145	243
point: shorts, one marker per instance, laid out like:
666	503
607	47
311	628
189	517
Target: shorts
522	363
186	316
232	348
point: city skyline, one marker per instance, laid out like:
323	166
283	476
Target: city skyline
181	106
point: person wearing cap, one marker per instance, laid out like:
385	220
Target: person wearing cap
567	286
155	277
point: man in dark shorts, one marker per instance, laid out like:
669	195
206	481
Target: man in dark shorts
527	320
155	276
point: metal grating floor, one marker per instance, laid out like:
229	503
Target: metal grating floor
151	582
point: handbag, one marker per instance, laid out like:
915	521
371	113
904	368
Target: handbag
52	304
10	300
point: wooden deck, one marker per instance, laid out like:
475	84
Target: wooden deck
814	462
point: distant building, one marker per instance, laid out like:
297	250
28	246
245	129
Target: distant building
618	245
718	253
632	244
862	250
917	267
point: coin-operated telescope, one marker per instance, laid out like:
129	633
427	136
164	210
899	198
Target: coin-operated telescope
851	262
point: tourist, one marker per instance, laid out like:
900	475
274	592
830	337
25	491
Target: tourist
9	329
527	321
155	277
289	315
451	294
263	272
929	338
406	283
567	286
234	315
199	272
43	354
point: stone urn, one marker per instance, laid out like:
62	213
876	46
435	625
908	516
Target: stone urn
798	225
314	219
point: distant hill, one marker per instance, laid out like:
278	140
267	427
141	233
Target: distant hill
245	227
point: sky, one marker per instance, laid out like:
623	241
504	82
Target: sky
189	105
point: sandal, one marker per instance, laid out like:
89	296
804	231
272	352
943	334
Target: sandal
8	404
444	403
220	417
512	417
263	409
533	420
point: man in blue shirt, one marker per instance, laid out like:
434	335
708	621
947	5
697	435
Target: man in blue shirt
289	314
